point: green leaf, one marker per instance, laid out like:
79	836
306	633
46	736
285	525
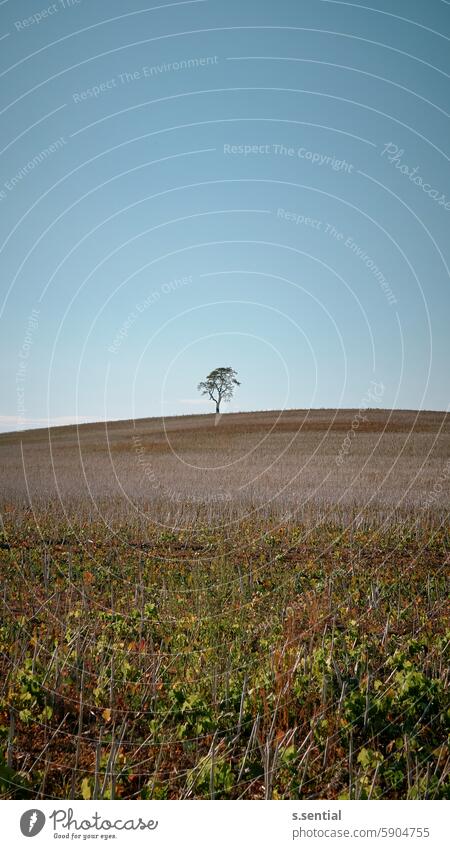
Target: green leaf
86	789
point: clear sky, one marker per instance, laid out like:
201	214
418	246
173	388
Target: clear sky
188	185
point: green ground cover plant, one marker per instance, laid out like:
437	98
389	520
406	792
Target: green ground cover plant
254	661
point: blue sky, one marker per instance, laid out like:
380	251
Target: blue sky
190	185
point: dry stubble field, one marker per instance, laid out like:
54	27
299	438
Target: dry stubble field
248	608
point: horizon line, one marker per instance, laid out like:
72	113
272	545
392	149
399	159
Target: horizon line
90	423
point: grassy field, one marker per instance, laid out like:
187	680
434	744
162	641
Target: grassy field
254	607
300	464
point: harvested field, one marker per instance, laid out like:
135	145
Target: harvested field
298	464
247	609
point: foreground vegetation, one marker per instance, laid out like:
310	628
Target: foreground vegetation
249	662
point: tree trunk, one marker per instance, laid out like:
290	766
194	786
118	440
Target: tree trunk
217	406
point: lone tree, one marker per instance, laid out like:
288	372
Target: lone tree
219	385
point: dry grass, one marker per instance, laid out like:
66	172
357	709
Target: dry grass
249	609
277	464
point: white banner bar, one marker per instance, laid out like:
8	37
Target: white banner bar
205	824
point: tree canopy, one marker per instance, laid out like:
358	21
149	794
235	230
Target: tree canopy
219	385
